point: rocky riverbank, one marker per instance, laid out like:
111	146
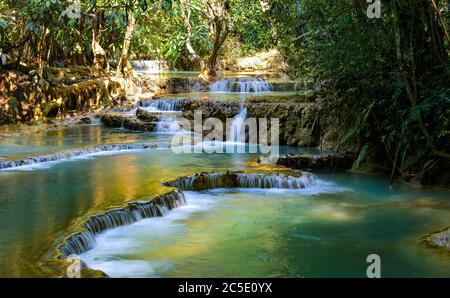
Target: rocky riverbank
342	161
300	118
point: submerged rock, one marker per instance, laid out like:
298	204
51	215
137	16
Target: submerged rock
312	161
439	239
126	121
85	120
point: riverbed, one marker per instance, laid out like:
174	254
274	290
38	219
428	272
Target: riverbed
324	231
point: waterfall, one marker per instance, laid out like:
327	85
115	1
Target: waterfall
245	85
164	124
195	85
9	164
205	181
153	66
275	181
237	129
83	241
162	105
167	124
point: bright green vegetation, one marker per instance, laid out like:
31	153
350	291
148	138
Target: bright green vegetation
386	79
378	87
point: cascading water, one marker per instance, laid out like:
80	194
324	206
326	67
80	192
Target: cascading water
162	105
246	85
206	181
10	164
85	240
242	86
237	129
152	66
164	124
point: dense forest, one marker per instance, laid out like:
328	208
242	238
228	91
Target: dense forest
224	138
385	78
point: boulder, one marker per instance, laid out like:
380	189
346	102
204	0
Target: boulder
343	161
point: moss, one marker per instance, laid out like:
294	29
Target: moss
277	98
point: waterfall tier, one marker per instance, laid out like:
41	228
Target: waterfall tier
8	164
85	240
162	105
205	181
164	123
237	128
245	85
154	66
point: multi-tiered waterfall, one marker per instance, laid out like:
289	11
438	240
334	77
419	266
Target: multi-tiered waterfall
242	86
171	107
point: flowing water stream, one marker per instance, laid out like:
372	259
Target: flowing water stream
323	228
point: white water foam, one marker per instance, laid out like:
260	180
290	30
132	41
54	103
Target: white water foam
119	252
112	248
88	156
245	85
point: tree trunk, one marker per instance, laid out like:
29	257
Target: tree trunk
123	68
42	53
100	64
218	19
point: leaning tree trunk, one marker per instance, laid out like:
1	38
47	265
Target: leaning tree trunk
123	68
221	34
217	15
100	64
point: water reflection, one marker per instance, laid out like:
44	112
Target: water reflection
242	234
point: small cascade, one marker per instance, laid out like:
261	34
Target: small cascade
83	241
195	85
78	243
162	105
167	124
276	181
153	66
241	85
9	164
237	129
164	124
205	181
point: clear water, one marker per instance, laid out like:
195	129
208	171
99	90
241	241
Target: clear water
269	76
327	231
51	141
234	96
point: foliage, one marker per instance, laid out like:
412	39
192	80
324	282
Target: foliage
387	78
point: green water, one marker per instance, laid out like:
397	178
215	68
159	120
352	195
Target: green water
45	142
268	76
326	233
234	96
278	234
